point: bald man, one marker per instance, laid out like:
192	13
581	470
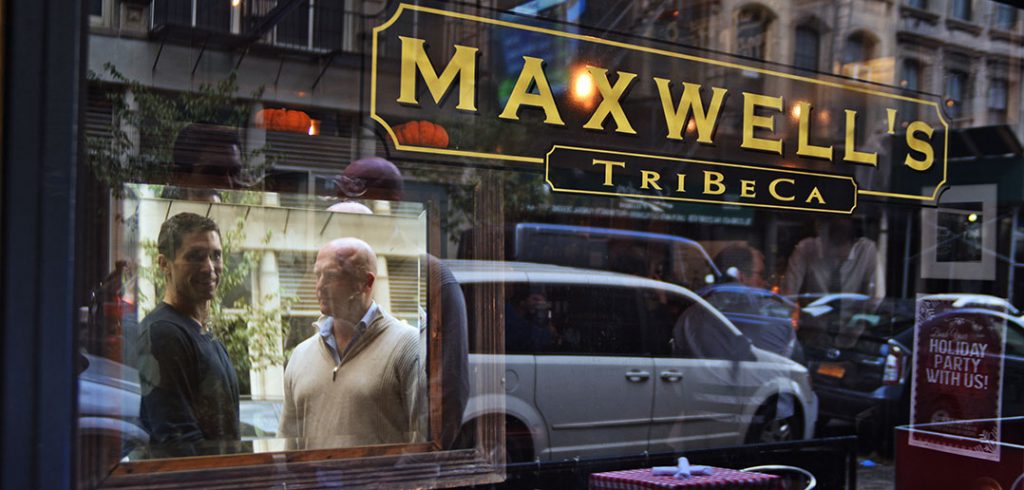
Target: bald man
354	382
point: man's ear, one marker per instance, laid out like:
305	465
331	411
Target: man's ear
370	277
164	264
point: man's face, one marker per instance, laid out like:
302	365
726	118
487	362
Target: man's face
218	167
755	278
339	293
195	271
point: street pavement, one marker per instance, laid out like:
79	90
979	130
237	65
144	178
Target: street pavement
873	471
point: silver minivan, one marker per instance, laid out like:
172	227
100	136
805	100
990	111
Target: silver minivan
605	364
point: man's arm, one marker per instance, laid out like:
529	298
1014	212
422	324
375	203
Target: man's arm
796	267
289	426
874	282
167	364
455	352
407	367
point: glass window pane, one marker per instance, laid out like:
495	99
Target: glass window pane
1005	17
962	9
806	55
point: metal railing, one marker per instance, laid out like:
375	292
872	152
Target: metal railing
314	25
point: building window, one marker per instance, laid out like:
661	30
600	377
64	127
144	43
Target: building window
997	100
857	49
918	4
752	32
294	27
1005	17
806	50
314	26
210	15
911	75
911	80
997	95
962	9
956	93
857	53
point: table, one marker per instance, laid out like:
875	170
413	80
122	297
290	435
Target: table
721	479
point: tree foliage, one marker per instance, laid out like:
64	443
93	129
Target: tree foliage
137	147
138	144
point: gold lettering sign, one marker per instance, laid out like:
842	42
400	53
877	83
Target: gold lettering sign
602	172
511	91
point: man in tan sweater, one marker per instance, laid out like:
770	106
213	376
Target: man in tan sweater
355	381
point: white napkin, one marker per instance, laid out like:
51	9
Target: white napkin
682	470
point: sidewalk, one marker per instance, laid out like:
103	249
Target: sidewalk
882	476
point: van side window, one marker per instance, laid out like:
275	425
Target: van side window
662	309
594	320
528	320
682	328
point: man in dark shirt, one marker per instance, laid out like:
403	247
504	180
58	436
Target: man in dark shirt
189	387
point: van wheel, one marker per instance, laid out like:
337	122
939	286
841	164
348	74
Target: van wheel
518	441
767	426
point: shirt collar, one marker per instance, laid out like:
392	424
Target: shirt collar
326	324
371	312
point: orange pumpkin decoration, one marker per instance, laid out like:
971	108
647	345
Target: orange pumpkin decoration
422	133
283	120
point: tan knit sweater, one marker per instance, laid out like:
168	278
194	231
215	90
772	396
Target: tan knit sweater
373	398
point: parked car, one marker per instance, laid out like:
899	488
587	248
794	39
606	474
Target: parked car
659	256
598	364
817	304
961	300
108	416
858	358
108	408
767	319
860	352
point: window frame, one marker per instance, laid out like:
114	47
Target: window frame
304	466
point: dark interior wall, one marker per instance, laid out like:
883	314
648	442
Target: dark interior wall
43	63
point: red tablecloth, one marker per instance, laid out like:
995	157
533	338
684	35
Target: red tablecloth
720	478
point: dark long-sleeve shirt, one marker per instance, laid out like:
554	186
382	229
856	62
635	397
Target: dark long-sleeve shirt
189	387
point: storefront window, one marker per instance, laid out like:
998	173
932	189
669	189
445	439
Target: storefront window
436	244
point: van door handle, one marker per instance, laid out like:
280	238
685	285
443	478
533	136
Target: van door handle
638	376
671	376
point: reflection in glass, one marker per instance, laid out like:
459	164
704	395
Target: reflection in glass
264	293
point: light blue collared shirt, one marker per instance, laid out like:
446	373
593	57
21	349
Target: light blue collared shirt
327	332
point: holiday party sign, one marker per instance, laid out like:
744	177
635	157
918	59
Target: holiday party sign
957	378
